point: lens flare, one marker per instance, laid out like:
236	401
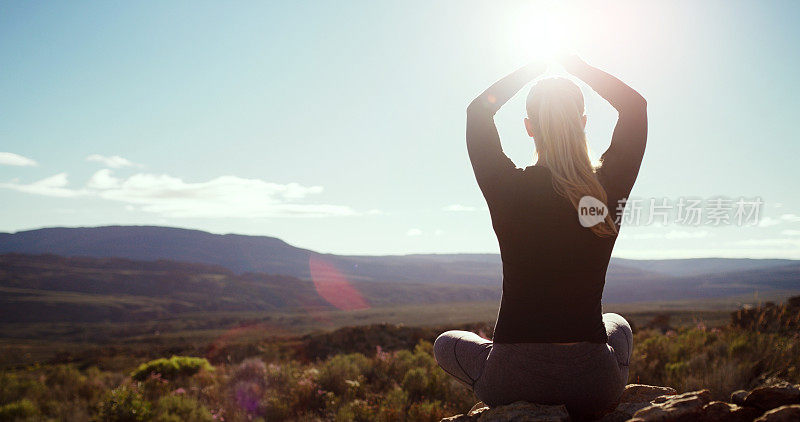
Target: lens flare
333	286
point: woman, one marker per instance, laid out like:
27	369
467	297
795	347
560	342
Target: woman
552	344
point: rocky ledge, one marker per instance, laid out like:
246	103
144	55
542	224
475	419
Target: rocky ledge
775	401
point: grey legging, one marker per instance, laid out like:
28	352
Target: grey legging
586	377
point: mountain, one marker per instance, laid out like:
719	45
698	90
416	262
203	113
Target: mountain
51	288
262	254
148	243
697	266
771	278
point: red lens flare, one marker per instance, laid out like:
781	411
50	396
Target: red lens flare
333	286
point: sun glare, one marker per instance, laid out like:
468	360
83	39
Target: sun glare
544	31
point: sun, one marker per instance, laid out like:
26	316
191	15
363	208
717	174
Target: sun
544	30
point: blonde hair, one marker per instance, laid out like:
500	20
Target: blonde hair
555	108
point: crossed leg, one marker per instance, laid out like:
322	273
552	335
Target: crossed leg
462	354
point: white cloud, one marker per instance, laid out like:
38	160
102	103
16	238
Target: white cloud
11	159
792	218
672	234
414	232
102	180
641	236
790	232
169	196
115	161
683	234
55	185
769	242
438	232
458	208
768	222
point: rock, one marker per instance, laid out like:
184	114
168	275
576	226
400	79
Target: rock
771	396
782	414
680	407
718	411
522	412
648	403
515	412
460	418
737	397
703	394
635	393
478	408
624	411
634	398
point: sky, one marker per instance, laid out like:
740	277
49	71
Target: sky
339	126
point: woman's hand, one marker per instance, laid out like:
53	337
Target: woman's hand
571	63
501	91
536	68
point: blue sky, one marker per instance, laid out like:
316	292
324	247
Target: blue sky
339	126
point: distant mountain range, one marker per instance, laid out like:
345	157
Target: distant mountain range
250	264
263	254
52	288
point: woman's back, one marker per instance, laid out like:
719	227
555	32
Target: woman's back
553	268
552	343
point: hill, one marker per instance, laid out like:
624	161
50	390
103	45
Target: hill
262	254
50	288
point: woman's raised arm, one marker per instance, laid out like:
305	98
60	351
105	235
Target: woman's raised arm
622	97
622	159
483	142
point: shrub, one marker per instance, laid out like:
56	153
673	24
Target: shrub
415	383
355	411
738	346
172	368
124	404
14	387
178	408
335	373
253	370
276	409
426	411
247	396
18	410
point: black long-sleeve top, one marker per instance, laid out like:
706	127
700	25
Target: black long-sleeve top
553	268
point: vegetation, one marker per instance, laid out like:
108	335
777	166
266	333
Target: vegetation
152	354
172	368
399	385
721	360
354	378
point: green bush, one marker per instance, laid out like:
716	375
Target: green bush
739	346
178	408
124	404
276	409
355	411
415	383
334	374
18	410
426	411
172	368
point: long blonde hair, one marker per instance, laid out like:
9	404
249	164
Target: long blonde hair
555	108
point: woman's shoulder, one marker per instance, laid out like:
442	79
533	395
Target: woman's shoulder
536	172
